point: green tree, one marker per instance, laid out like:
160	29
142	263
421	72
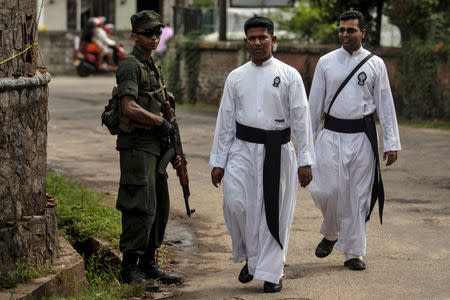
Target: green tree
413	17
316	20
372	11
425	33
307	22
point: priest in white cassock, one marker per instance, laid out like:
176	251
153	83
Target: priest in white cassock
263	103
347	180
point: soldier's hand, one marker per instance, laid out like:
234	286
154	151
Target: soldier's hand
304	175
166	128
391	157
178	162
217	175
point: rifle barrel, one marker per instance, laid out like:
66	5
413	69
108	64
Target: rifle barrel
186	194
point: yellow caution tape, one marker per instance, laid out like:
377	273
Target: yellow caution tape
28	48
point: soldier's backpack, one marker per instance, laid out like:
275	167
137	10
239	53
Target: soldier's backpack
111	114
113	119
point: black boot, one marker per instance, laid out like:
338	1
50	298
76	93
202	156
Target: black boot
270	287
151	270
325	247
130	274
244	276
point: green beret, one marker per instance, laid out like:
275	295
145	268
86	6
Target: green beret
146	19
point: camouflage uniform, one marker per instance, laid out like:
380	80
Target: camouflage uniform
143	194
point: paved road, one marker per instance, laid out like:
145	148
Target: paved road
407	257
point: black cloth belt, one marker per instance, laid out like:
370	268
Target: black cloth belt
367	125
272	140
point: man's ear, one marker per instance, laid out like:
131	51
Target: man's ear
133	36
274	39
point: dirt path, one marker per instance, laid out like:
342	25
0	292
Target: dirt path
407	257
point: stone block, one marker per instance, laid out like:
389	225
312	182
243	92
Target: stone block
69	276
31	241
4	102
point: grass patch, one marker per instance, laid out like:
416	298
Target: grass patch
21	273
435	124
102	284
199	105
80	214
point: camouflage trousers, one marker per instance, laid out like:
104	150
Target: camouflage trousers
143	199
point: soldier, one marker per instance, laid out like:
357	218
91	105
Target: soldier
143	196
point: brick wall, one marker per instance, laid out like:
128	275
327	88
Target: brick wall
219	59
216	61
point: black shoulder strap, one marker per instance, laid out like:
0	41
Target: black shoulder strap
344	83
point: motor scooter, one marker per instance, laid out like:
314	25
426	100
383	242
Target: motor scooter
86	63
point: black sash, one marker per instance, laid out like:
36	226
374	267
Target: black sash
272	140
367	125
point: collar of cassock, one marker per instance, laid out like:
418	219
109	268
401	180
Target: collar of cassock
358	52
267	62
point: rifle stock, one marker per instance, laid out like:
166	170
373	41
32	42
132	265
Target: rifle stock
177	147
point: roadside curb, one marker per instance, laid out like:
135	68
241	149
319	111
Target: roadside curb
69	275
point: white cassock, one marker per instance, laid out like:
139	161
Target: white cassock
343	176
252	98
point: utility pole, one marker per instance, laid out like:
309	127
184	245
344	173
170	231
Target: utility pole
222	20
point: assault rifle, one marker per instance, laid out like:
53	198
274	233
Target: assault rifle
175	150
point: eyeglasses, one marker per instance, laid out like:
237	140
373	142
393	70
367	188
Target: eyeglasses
151	33
349	30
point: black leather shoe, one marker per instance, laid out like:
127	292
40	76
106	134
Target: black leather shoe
270	287
355	264
324	248
152	271
132	275
244	276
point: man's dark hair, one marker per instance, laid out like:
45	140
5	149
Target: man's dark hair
352	15
257	21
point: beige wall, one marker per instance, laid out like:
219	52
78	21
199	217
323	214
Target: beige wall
123	13
53	16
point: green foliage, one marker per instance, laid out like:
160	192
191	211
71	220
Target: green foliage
421	94
307	22
208	107
435	124
21	273
102	284
191	54
425	28
203	3
171	69
316	21
80	214
412	17
187	50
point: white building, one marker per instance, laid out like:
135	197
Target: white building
72	15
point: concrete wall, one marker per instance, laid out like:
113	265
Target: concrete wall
53	15
123	13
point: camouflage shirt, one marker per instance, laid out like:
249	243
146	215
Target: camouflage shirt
138	76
